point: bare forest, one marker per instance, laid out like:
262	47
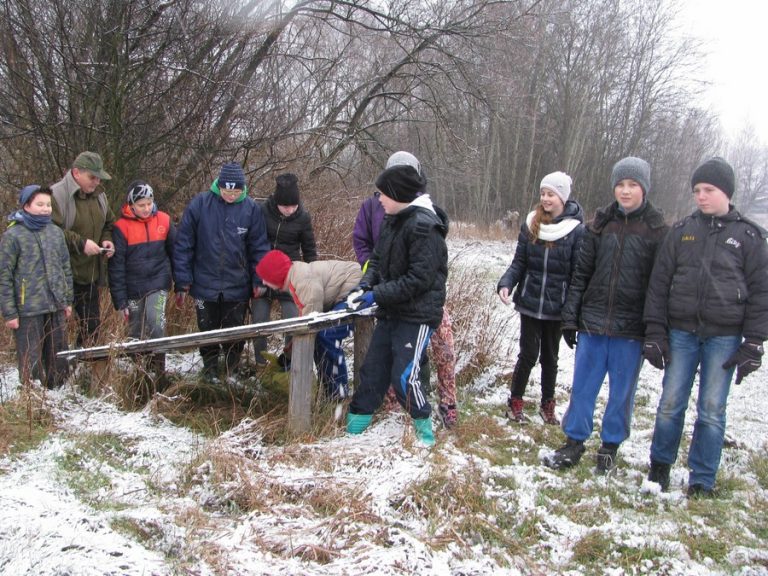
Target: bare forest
490	94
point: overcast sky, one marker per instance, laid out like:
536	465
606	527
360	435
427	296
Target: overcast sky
734	34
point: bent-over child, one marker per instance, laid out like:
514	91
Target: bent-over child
318	286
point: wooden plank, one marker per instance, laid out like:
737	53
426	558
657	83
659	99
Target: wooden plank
300	391
302	324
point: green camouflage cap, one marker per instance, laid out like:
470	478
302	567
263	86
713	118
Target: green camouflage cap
92	162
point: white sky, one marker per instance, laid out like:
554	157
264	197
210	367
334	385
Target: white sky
734	35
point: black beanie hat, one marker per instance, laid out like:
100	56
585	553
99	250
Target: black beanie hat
401	183
287	190
718	172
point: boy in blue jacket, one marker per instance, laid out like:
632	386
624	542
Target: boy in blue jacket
221	238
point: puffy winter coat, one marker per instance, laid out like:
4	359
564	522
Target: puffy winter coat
317	286
367	228
711	278
218	246
142	260
291	234
541	269
608	287
409	265
35	273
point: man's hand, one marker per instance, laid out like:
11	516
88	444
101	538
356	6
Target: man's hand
107	248
747	358
569	335
90	248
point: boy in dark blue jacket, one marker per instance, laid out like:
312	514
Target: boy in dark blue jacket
221	238
140	270
406	278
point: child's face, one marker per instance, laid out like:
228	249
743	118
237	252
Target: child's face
711	200
629	194
143	207
390	206
287	210
39	205
551	202
229	195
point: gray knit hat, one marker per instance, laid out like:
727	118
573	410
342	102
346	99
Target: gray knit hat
633	168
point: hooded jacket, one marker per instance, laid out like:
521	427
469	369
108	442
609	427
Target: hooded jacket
35	273
409	265
291	234
608	287
541	270
142	260
710	278
218	246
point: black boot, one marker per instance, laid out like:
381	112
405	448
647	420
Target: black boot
605	461
566	456
659	473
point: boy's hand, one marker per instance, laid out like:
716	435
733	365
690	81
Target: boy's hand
504	295
569	335
747	358
181	294
12	324
126	314
656	346
107	248
363	301
259	291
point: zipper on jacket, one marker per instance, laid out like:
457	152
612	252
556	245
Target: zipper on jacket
615	276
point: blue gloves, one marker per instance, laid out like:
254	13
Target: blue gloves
362	301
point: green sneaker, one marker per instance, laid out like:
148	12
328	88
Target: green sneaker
357	423
424	433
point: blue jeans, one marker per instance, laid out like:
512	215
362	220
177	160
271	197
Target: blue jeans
597	356
687	352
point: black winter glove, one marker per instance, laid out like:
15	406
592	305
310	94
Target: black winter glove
747	358
569	335
656	346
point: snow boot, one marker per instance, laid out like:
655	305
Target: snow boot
605	460
515	410
357	423
566	456
448	415
424	433
659	473
547	412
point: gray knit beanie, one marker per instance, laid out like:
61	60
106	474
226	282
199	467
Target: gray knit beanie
633	168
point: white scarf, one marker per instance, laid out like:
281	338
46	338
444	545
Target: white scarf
553	232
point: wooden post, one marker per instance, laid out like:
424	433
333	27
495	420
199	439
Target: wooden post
300	391
363	332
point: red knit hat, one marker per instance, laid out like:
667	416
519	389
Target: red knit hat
273	268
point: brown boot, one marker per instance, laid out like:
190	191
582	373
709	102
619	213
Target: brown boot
547	412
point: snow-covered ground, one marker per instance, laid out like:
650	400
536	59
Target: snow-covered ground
174	502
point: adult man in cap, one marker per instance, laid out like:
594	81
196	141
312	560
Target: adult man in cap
84	214
706	311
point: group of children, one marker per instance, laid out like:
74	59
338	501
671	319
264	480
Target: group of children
625	287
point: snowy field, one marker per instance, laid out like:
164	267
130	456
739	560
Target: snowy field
165	500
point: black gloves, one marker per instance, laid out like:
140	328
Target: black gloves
569	335
656	346
747	358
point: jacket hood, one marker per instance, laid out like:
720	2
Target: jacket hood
572	210
423	204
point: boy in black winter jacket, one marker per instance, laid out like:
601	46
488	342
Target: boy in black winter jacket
706	310
406	278
605	305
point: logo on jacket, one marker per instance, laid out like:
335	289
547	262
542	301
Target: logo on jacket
733	242
688	238
241	230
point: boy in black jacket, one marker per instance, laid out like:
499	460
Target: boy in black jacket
706	310
406	278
